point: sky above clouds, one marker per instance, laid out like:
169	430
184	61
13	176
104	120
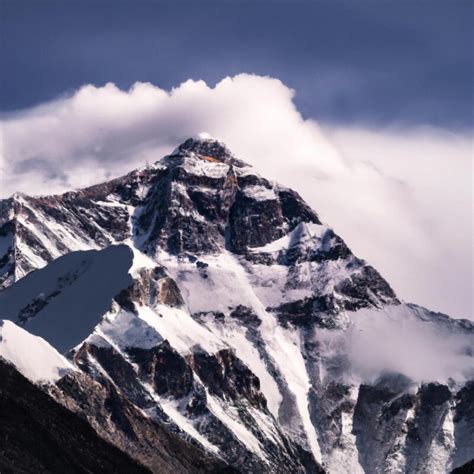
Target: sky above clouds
368	61
366	111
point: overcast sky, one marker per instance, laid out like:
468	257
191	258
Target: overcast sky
373	102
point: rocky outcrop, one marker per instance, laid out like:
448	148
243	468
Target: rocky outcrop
153	441
164	369
227	376
151	287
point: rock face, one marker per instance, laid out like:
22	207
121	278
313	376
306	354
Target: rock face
228	342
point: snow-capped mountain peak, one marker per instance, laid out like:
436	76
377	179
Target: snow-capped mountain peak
231	315
209	149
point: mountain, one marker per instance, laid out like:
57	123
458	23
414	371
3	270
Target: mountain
209	320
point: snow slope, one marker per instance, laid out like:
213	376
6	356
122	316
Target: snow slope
32	356
64	301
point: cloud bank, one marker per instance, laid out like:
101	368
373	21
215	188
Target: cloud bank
400	200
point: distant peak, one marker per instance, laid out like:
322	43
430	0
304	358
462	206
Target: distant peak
210	149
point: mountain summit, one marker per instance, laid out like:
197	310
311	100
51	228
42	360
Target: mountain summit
206	148
211	321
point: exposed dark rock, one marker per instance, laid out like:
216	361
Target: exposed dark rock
431	409
464	405
326	407
246	317
375	432
254	223
227	376
464	422
308	311
432	395
215	315
172	216
295	210
152	440
332	247
360	288
150	287
118	369
117	417
163	368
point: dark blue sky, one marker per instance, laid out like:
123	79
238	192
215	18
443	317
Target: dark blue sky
351	62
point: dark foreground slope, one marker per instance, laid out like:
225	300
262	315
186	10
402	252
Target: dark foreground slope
37	435
467	468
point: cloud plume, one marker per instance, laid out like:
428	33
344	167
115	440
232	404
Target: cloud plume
402	201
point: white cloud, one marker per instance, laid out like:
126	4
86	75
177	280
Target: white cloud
401	201
400	342
431	236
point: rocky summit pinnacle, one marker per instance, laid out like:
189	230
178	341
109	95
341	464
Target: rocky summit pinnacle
209	149
210	322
